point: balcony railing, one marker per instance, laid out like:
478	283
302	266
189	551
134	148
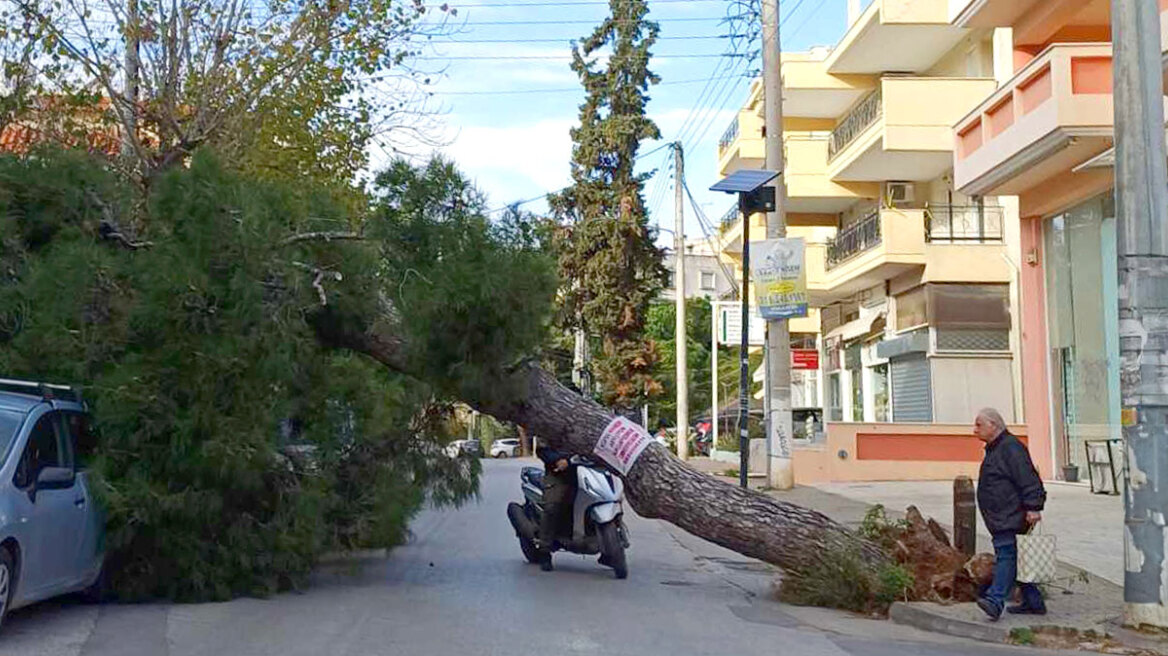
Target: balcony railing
728	219
854	240
963	224
728	136
861	118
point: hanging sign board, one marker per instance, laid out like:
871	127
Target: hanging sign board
780	279
621	444
730	325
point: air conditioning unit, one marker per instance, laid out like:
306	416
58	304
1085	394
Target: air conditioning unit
897	194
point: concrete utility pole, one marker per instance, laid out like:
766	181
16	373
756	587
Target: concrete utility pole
679	334
1141	175
780	469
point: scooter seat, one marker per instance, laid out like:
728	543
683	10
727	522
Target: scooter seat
533	475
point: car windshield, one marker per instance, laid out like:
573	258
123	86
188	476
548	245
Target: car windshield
9	423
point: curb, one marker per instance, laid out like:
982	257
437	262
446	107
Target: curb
910	614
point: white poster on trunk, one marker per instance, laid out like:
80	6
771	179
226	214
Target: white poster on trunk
621	444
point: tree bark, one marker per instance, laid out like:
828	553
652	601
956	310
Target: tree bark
659	486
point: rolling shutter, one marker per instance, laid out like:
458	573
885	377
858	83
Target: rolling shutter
912	399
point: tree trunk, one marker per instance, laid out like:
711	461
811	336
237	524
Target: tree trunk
659	486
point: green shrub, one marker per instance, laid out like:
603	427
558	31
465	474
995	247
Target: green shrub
838	577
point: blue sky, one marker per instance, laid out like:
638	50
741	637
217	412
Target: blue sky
506	121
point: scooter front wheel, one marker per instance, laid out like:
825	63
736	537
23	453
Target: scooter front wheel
613	549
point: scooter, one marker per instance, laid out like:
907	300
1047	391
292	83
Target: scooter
597	515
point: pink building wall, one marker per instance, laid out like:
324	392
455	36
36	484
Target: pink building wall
1035	376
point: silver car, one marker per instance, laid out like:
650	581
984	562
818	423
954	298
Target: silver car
50	527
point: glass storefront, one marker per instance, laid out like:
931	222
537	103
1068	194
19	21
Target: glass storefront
1082	323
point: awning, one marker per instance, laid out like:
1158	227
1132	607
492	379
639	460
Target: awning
856	329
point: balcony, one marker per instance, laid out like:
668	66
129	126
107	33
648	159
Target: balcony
812	197
1055	114
883	245
809	91
1037	22
896	35
903	130
742	145
964	224
859	238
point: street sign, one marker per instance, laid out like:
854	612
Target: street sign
779	278
730	325
805	359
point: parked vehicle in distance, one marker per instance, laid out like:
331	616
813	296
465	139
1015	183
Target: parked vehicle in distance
471	448
50	526
507	447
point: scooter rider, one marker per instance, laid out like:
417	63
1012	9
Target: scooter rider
557	493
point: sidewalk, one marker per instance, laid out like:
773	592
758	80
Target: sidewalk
1084	604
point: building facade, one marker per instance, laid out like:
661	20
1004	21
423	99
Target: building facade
912	275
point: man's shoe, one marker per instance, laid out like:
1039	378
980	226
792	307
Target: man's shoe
991	609
546	564
1022	609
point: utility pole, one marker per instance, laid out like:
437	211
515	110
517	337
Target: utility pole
679	333
780	470
1141	175
130	90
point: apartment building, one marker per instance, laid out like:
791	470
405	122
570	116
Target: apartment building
1046	137
912	275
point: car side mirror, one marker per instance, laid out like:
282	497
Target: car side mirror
53	478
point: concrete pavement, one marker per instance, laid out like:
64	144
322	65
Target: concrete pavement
461	586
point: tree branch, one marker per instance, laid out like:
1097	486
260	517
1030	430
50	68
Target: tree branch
325	236
320	275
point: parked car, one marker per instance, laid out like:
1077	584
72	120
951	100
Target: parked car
50	526
507	447
471	448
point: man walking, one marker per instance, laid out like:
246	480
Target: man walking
1011	497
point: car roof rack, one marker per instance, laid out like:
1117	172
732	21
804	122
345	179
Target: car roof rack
46	391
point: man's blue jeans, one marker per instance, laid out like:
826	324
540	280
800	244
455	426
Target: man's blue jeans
1005	573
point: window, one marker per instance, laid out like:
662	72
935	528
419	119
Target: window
835	409
47	447
880	392
970	317
80	434
910	309
709	281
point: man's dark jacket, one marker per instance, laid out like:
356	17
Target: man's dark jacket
1008	486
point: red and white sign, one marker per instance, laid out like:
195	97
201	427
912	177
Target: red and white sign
621	444
806	359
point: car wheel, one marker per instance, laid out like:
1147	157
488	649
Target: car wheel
501	454
7	582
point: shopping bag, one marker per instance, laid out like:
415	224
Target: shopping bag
1037	559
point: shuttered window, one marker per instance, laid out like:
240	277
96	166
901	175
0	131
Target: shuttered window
912	399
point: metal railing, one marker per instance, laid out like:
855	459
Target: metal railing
859	119
728	219
728	136
854	240
963	224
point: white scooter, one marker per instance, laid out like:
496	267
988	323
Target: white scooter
597	515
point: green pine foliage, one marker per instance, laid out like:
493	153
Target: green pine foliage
235	447
611	269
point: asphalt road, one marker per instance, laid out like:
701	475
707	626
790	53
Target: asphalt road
462	587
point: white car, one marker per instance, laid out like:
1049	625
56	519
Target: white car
505	448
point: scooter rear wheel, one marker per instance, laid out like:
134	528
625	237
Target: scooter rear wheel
529	550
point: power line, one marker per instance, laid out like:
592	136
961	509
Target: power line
550	57
558	90
565	3
593	21
690	37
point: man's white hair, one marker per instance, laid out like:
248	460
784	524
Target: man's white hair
993	417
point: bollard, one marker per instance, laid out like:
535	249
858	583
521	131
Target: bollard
964	516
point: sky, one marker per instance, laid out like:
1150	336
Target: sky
508	97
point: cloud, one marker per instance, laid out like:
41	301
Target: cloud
514	162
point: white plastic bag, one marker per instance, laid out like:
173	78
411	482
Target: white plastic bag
1037	556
